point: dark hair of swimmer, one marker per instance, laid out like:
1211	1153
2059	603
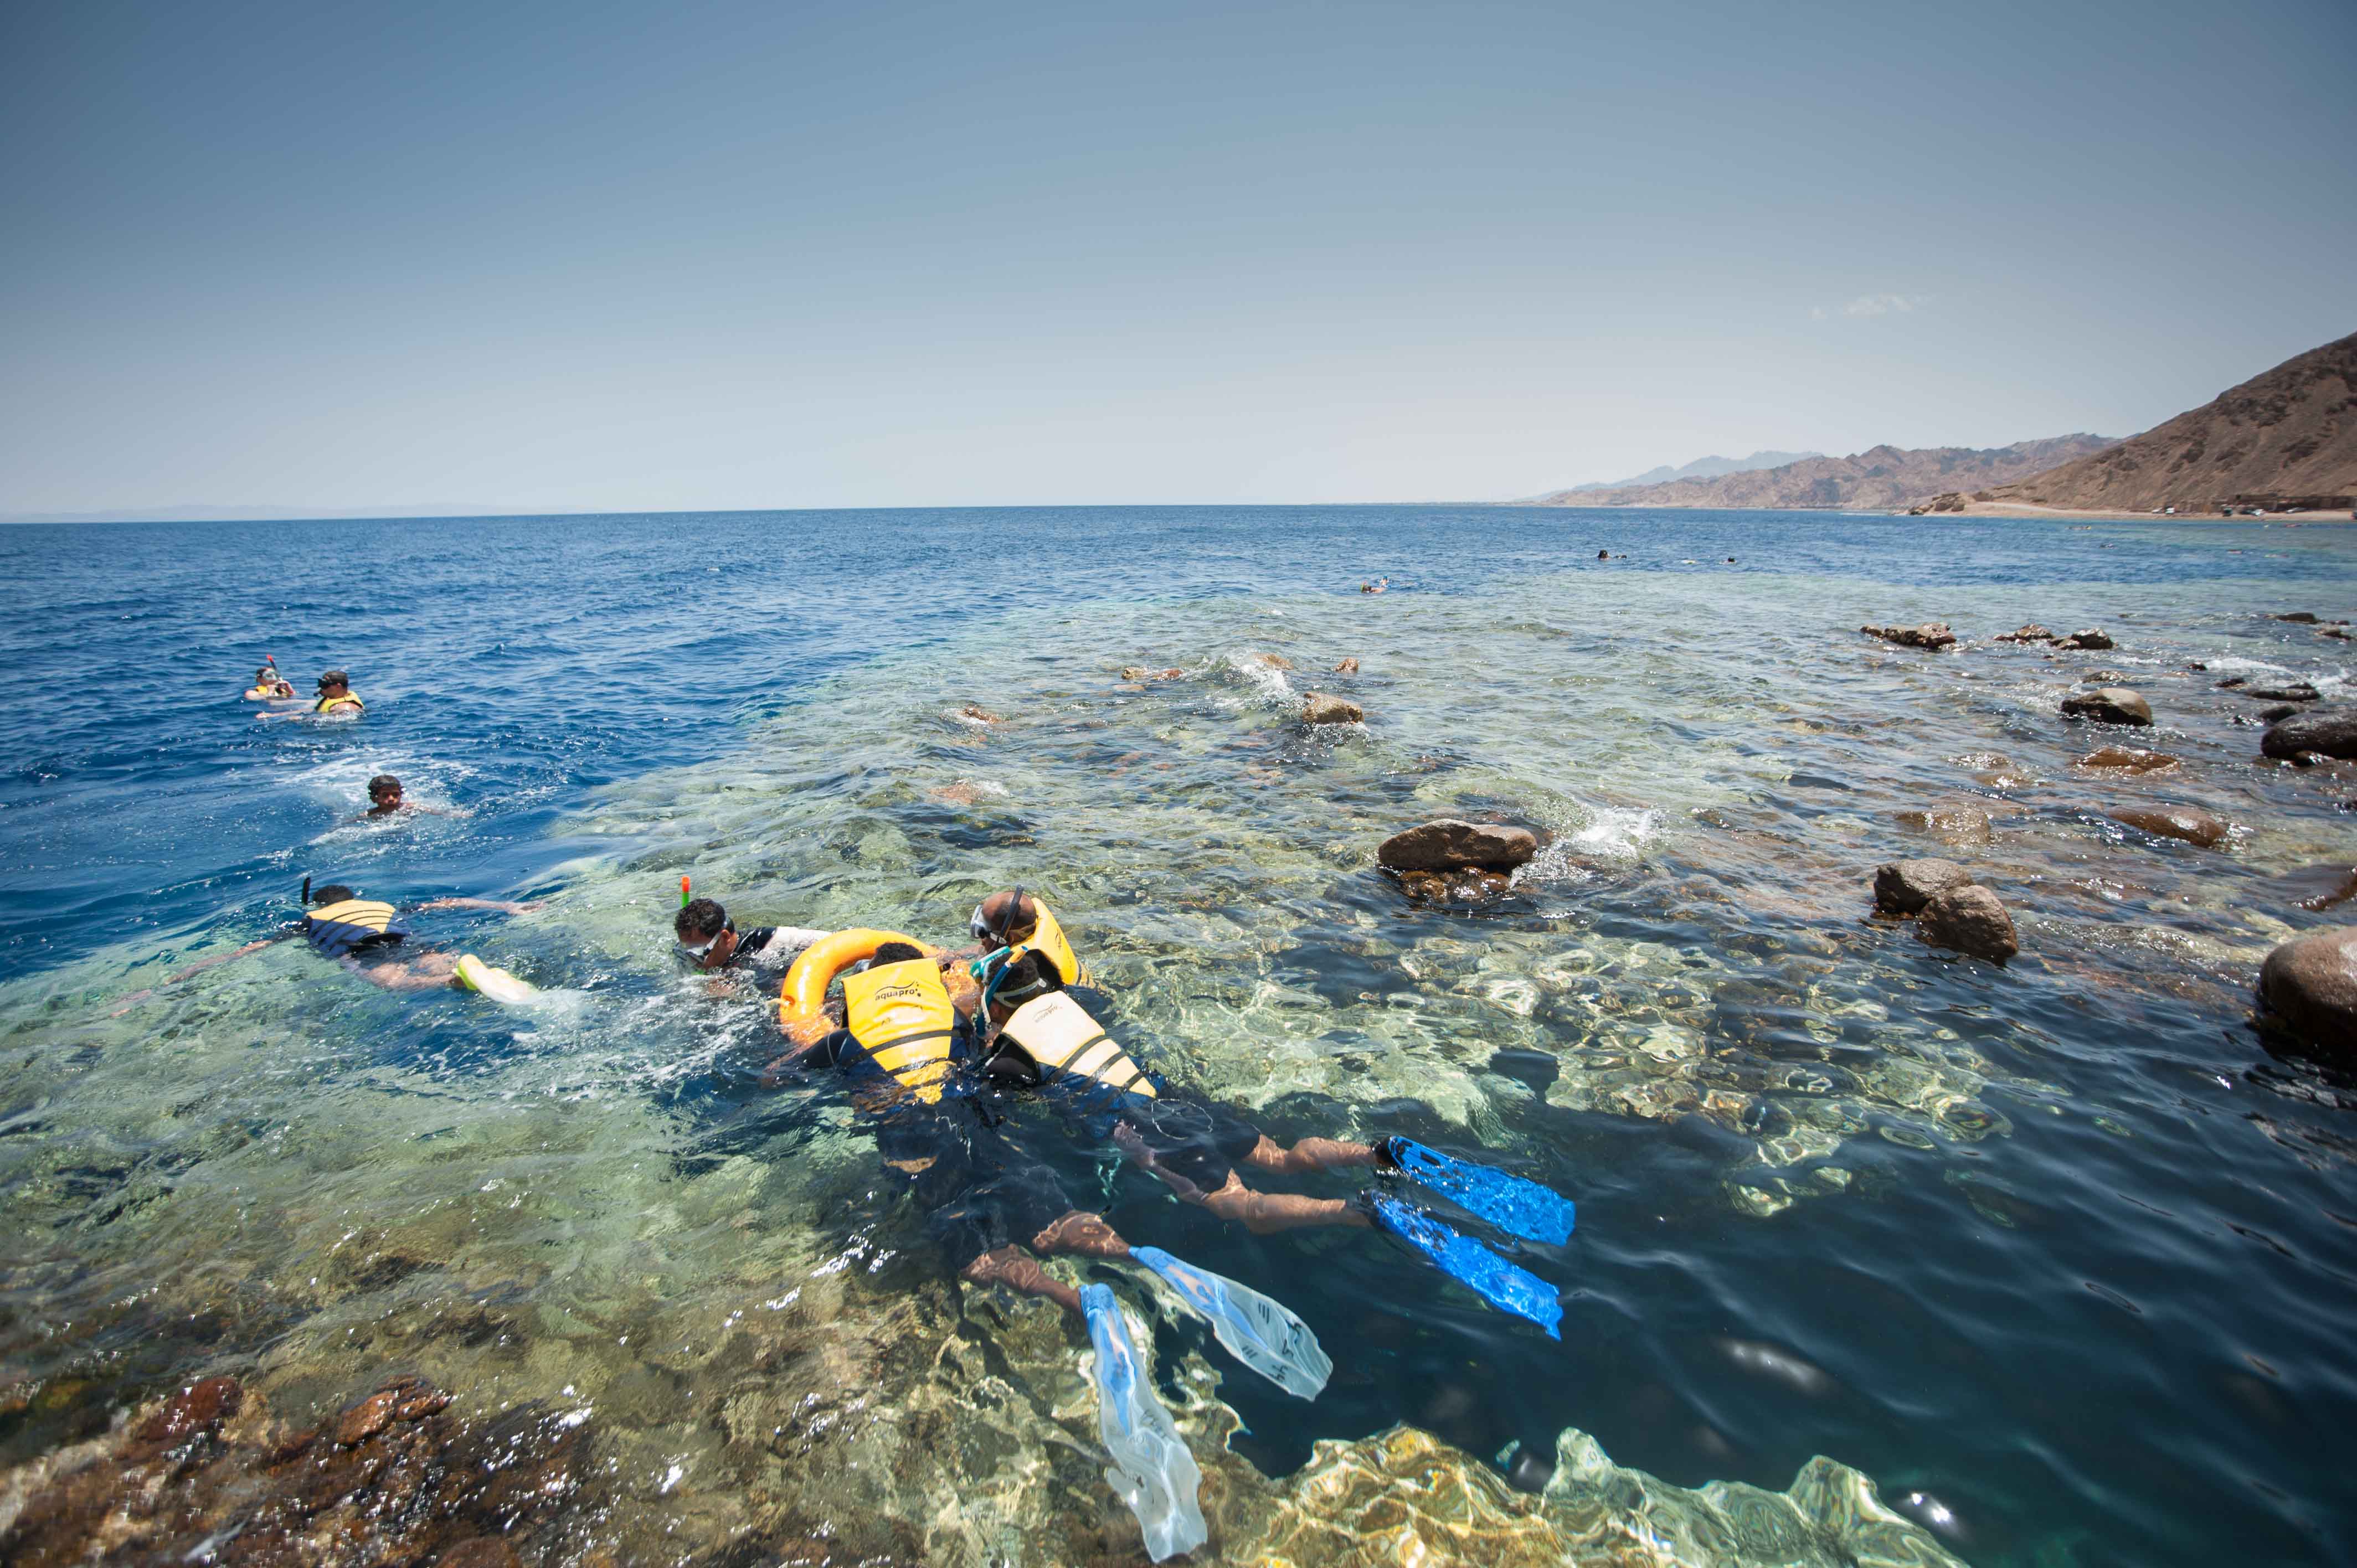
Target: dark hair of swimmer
896	952
1010	915
1020	983
700	921
333	893
384	784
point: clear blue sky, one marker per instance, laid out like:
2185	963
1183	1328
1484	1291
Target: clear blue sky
603	257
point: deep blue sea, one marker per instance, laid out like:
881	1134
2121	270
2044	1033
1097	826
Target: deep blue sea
2058	1255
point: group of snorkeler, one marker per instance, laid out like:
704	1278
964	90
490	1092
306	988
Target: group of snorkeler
335	698
931	1037
934	1042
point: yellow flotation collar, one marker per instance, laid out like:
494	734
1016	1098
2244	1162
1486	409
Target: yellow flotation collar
349	923
1058	1034
902	1014
330	704
801	996
1047	939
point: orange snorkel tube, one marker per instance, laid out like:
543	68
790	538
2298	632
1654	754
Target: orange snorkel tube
801	998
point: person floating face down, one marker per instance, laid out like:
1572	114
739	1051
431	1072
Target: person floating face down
1033	1033
365	935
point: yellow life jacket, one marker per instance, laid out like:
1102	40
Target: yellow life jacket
350	924
330	704
1047	939
1058	1034
901	1013
268	694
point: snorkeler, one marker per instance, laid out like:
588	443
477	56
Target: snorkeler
336	700
269	685
1034	1034
361	935
1018	922
710	940
903	1035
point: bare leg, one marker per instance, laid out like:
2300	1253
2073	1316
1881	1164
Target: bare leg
1310	1154
1263	1212
426	971
1020	1271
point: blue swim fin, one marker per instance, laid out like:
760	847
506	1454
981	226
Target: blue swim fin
1519	1207
1257	1331
1499	1282
1152	1470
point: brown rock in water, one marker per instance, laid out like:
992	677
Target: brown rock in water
201	1407
1318	708
2177	822
2128	758
2109	705
367	1418
1971	921
2308	987
2337	633
2280	711
2313	887
2296	691
1450	844
1140	673
2331	732
1904	887
2090	639
1348	667
2030	631
1931	634
1274	661
478	1551
1951	824
979	714
2302	617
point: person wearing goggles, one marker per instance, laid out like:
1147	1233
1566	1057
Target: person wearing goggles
710	940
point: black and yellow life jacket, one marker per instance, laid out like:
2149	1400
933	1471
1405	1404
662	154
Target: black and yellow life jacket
350	925
330	704
1047	939
1063	1040
901	1014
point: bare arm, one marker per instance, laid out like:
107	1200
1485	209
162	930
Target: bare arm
224	958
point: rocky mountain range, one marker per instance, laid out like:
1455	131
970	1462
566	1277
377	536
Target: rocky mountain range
1700	469
2287	436
1882	477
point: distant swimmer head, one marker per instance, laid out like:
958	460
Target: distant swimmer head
384	794
698	925
333	893
1005	918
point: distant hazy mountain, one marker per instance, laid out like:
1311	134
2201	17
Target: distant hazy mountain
1882	477
1700	469
2289	434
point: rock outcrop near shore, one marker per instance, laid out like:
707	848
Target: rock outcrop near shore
2109	705
2327	732
1904	887
1448	844
1969	920
2308	987
1318	708
1932	636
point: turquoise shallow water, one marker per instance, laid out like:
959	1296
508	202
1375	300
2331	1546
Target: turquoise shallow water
2061	1246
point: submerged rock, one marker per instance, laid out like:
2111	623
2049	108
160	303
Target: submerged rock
1950	823
2090	639
1904	887
2330	732
1140	673
1970	920
2127	759
2297	691
1318	708
2315	887
2177	822
2030	631
1450	844
2109	705
1932	634
2300	618
1348	667
2308	988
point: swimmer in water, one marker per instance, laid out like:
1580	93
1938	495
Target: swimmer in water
385	800
336	701
710	940
362	935
269	685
